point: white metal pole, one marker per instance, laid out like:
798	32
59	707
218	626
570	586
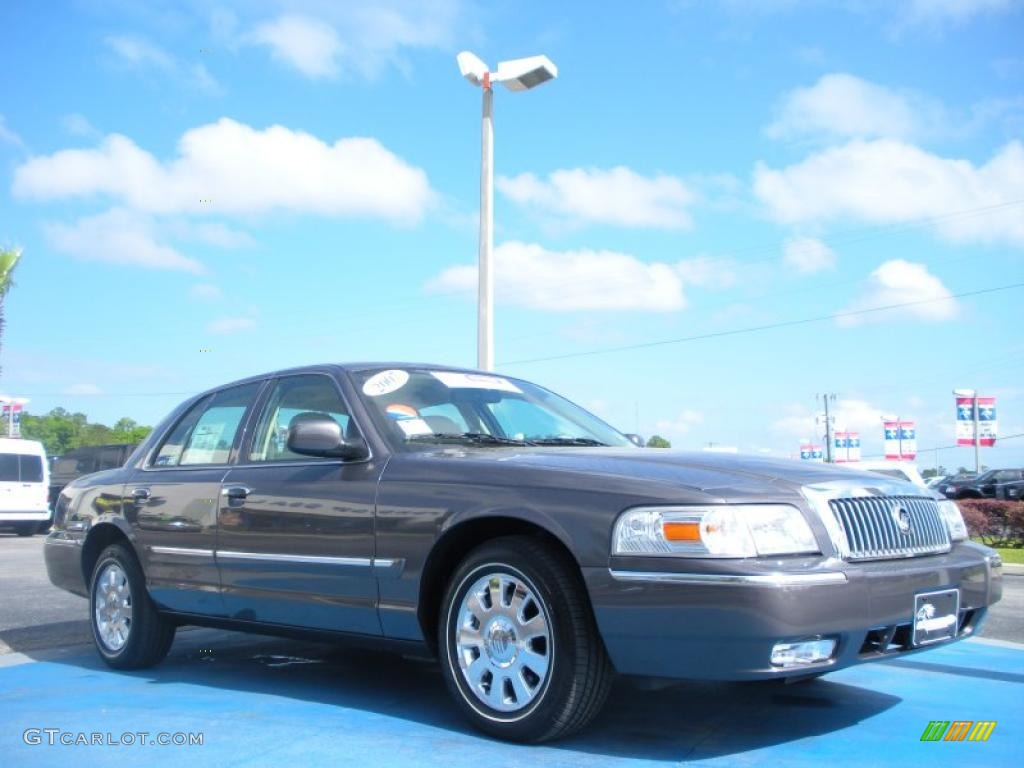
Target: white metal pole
977	448
485	298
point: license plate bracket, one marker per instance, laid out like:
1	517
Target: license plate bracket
936	616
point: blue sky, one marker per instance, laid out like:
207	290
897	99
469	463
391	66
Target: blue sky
282	183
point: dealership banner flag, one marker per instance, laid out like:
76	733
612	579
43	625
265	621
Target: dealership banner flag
811	452
986	421
846	447
900	440
12	418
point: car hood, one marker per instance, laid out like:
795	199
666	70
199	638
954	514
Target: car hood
712	473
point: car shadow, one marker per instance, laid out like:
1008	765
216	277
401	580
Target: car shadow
681	721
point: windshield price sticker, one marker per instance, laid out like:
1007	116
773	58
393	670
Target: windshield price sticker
475	381
385	382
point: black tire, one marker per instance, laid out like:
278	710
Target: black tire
579	674
25	529
149	634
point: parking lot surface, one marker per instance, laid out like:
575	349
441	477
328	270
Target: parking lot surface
265	701
261	702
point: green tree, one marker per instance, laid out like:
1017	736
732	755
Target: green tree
61	431
9	258
928	474
657	441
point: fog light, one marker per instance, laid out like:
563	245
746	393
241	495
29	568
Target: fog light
804	652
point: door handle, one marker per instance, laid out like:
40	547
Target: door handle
235	492
140	495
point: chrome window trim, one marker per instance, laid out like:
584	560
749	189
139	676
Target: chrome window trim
777	579
186	551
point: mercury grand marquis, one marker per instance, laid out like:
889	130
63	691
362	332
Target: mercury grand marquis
532	548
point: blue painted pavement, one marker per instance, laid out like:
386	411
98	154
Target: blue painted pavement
272	702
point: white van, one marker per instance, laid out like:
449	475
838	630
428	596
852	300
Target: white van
24	481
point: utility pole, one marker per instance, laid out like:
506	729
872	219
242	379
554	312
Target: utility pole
825	398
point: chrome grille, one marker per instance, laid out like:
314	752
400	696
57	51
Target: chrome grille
872	532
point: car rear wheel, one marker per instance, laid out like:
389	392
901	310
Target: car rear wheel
128	630
519	646
25	529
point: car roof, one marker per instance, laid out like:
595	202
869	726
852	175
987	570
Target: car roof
20	445
338	367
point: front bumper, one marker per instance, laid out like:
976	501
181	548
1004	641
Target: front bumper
718	620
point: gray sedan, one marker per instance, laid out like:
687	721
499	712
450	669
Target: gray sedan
532	548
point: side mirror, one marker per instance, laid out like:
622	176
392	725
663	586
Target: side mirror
321	436
636	440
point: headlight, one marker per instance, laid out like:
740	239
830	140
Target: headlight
953	519
746	530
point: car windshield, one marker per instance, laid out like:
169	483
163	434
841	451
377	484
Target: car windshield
427	406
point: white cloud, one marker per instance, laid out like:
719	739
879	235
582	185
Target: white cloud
900	282
239	170
308	45
933	12
562	281
617	196
681	425
83	389
228	325
841	105
887	181
807	255
802	422
118	237
322	40
707	271
141	54
138	51
205	292
7	136
78	125
212	233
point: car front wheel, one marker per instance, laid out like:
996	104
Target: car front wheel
520	649
129	631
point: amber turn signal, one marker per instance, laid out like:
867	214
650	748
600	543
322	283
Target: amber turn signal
681	531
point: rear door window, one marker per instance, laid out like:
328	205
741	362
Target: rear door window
9	467
20	468
207	432
31	468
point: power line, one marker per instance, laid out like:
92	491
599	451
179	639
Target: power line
766	327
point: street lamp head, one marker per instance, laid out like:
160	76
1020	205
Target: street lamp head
471	67
524	74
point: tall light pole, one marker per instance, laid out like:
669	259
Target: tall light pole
516	75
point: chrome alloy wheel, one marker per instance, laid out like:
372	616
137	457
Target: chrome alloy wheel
504	642
112	604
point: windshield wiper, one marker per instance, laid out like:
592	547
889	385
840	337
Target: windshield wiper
481	438
565	441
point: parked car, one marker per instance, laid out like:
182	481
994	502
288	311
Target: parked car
959	478
23	482
994	484
84	460
530	546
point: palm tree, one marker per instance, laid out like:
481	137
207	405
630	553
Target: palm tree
8	261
